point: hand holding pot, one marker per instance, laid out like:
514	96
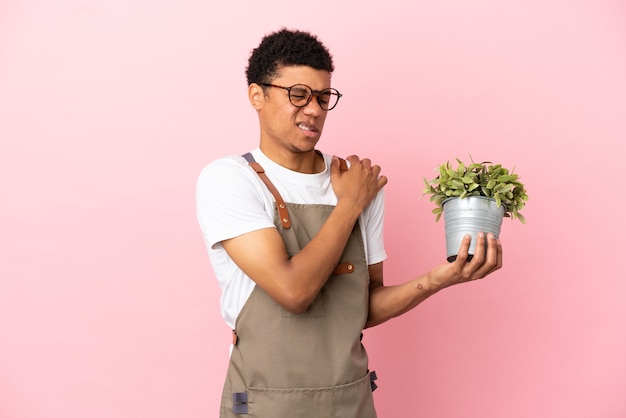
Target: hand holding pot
482	263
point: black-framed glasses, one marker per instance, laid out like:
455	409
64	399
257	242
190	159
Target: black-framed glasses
300	95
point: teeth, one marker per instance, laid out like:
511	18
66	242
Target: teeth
303	126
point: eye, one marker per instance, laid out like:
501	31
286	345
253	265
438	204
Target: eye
324	97
299	93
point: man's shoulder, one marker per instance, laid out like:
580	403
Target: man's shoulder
227	168
225	163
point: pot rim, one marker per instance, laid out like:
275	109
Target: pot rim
473	196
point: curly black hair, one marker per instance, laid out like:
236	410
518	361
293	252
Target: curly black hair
286	47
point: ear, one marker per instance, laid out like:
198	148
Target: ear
256	96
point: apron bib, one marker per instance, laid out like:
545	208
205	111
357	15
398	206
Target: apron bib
312	364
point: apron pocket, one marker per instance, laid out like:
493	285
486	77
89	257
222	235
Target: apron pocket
352	400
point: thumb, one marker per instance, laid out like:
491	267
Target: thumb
334	166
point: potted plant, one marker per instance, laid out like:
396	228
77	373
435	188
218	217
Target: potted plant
474	198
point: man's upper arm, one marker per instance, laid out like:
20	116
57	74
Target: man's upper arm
261	254
232	210
376	275
229	201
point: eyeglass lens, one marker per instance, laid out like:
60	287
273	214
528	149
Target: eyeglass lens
300	95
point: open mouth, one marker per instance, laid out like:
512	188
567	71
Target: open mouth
307	128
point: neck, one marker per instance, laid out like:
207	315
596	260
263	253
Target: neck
309	162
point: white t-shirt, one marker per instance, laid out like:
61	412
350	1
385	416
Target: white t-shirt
232	201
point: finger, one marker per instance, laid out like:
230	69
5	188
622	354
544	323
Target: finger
500	254
354	159
498	264
490	259
334	166
382	180
492	250
462	254
479	252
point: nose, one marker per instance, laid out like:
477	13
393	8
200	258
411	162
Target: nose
313	107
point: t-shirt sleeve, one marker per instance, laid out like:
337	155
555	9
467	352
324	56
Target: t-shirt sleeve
229	202
374	216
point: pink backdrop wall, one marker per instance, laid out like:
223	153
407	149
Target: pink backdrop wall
109	109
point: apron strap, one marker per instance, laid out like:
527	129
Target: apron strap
344	268
280	203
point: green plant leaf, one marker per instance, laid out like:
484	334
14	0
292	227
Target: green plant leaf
452	174
477	179
456	184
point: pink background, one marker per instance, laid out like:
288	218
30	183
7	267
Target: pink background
109	109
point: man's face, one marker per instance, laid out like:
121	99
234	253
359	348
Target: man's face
285	127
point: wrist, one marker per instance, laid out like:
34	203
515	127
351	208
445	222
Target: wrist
348	210
430	283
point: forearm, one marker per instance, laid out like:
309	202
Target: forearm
387	302
310	268
295	281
